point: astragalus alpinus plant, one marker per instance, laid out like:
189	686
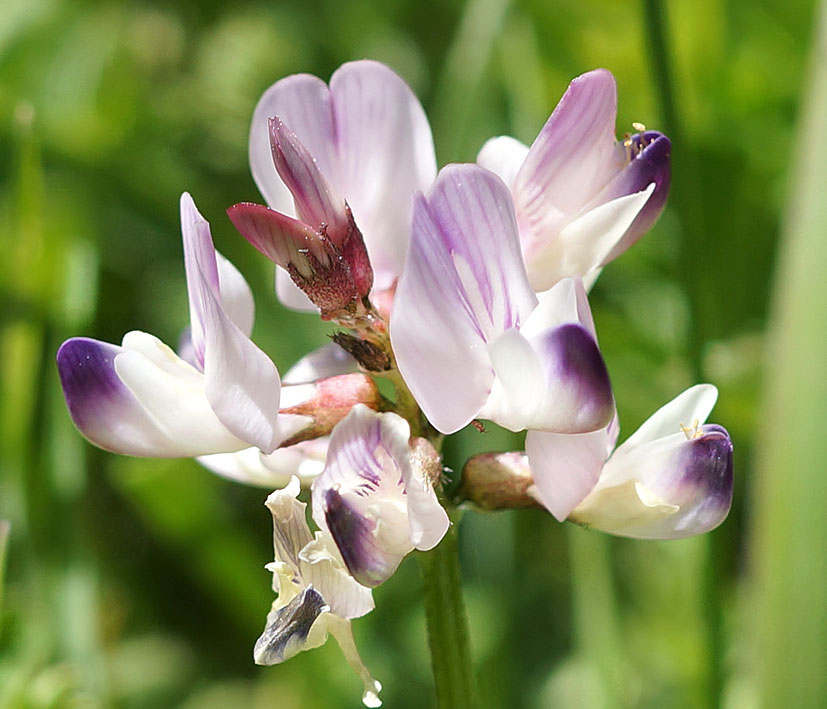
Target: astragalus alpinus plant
466	289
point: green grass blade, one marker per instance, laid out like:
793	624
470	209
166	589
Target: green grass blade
790	523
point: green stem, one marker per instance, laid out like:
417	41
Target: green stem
448	625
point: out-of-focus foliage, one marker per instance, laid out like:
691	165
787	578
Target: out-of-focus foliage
140	583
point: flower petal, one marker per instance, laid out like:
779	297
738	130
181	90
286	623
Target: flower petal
172	394
504	156
551	375
649	165
341	630
691	406
578	394
280	238
104	409
288	627
358	498
241	382
368	492
198	249
566	302
302	560
223	278
464	284
565	467
518	390
386	154
236	296
317	201
302	101
585	243
668	488
571	159
428	518
327	361
251	467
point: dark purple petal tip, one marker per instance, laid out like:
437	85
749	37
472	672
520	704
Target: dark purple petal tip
712	463
579	363
288	627
353	534
87	375
648	155
708	470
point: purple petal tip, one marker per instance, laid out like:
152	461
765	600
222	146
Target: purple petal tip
353	534
649	154
579	363
87	375
709	469
287	629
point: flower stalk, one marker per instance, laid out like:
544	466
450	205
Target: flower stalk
448	624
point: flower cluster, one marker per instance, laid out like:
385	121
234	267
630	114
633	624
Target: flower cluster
465	288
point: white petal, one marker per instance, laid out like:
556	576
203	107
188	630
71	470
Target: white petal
565	467
236	296
359	499
292	627
386	154
242	383
302	560
585	242
693	405
198	249
370	499
672	487
251	467
303	103
327	361
626	506
173	395
504	156
519	389
566	302
340	629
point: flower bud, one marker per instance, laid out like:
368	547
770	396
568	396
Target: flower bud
326	402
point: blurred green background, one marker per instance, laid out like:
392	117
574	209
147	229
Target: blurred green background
140	583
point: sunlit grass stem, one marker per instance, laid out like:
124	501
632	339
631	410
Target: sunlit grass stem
788	615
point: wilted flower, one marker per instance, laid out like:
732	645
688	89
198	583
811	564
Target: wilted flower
316	595
581	197
672	478
376	496
471	338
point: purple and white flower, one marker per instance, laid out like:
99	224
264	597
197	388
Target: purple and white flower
471	338
305	459
375	497
581	197
349	154
672	478
316	595
140	398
